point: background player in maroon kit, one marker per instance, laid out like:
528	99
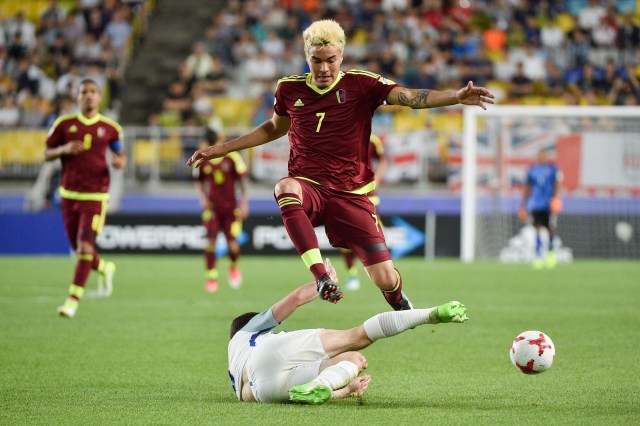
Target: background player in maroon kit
221	212
327	114
378	163
81	140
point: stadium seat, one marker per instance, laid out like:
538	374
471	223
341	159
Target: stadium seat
233	111
143	152
31	8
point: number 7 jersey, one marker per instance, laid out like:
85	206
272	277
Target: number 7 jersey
330	127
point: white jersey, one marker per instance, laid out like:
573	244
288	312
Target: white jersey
242	344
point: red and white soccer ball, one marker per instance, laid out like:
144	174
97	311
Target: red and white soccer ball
532	352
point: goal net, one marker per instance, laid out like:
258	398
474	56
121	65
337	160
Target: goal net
596	148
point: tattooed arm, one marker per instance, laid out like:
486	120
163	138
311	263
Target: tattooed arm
427	98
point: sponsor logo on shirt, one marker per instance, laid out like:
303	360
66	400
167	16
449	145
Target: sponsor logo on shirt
298	103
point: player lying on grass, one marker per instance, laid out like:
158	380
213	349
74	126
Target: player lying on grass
313	365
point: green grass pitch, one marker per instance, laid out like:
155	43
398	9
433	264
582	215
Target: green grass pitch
155	352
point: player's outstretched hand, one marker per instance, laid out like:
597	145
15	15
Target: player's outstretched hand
206	153
471	95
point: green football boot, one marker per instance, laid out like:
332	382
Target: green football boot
310	393
449	312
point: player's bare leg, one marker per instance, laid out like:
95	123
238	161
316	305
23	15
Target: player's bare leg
389	280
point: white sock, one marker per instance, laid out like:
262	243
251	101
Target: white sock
389	324
337	376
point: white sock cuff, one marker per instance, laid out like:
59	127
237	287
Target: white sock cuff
339	375
373	328
351	369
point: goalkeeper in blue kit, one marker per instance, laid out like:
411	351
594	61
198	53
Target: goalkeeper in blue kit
541	201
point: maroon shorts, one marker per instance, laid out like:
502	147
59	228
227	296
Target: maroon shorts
83	220
350	221
227	221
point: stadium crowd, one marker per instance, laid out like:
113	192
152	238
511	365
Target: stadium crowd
42	60
573	52
527	52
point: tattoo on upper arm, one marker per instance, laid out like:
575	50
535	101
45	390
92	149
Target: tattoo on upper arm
417	102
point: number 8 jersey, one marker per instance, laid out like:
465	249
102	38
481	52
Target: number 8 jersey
86	172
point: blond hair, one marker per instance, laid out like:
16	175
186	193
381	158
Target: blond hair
326	32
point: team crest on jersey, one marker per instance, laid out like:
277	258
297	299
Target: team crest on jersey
100	132
298	103
341	95
73	129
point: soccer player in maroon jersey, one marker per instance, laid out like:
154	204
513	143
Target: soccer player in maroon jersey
81	141
327	115
378	163
221	212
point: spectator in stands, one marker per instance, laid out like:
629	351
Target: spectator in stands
520	85
604	34
578	48
178	99
62	105
625	91
9	112
494	38
628	38
87	49
590	80
245	49
119	32
551	35
74	26
53	12
199	63
68	82
273	46
290	64
589	17
95	22
19	24
260	68
33	109
555	82
17	51
477	68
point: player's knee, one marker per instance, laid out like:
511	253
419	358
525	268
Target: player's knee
359	360
287	186
84	247
385	278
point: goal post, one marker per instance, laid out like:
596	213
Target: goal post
598	150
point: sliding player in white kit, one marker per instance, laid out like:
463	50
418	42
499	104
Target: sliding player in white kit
313	365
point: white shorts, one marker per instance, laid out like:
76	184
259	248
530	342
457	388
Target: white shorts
284	360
